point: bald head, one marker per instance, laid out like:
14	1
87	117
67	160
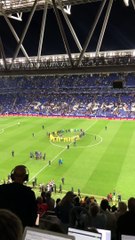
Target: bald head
19	174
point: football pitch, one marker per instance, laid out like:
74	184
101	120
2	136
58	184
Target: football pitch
101	161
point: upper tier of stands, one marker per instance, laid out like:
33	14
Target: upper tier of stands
78	95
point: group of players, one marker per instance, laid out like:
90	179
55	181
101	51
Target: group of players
38	155
58	136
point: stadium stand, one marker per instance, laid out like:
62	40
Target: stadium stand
77	95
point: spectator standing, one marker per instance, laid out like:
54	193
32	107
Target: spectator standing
42	207
122	208
97	219
50	201
19	198
110	218
126	222
65	207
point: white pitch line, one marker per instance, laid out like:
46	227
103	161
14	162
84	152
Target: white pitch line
90	126
56	156
88	146
54	144
92	145
3	129
46	165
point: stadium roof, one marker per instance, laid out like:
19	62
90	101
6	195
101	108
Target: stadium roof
71	61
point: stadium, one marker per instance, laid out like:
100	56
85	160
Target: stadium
67	114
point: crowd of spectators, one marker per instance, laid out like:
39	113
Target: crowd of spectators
22	208
85	212
79	95
19	207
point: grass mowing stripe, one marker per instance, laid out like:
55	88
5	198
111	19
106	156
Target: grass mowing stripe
109	167
126	175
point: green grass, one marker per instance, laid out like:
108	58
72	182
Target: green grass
96	165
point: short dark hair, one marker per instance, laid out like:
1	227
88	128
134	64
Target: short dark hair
131	204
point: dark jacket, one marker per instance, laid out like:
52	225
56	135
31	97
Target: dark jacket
21	200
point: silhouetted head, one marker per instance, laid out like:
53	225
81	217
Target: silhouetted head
122	207
10	226
131	204
20	174
94	209
104	204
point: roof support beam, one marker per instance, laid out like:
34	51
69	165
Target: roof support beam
16	36
104	27
42	31
70	27
91	32
133	2
64	38
24	32
3	53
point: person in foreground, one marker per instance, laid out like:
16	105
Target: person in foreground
18	198
10	226
126	222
